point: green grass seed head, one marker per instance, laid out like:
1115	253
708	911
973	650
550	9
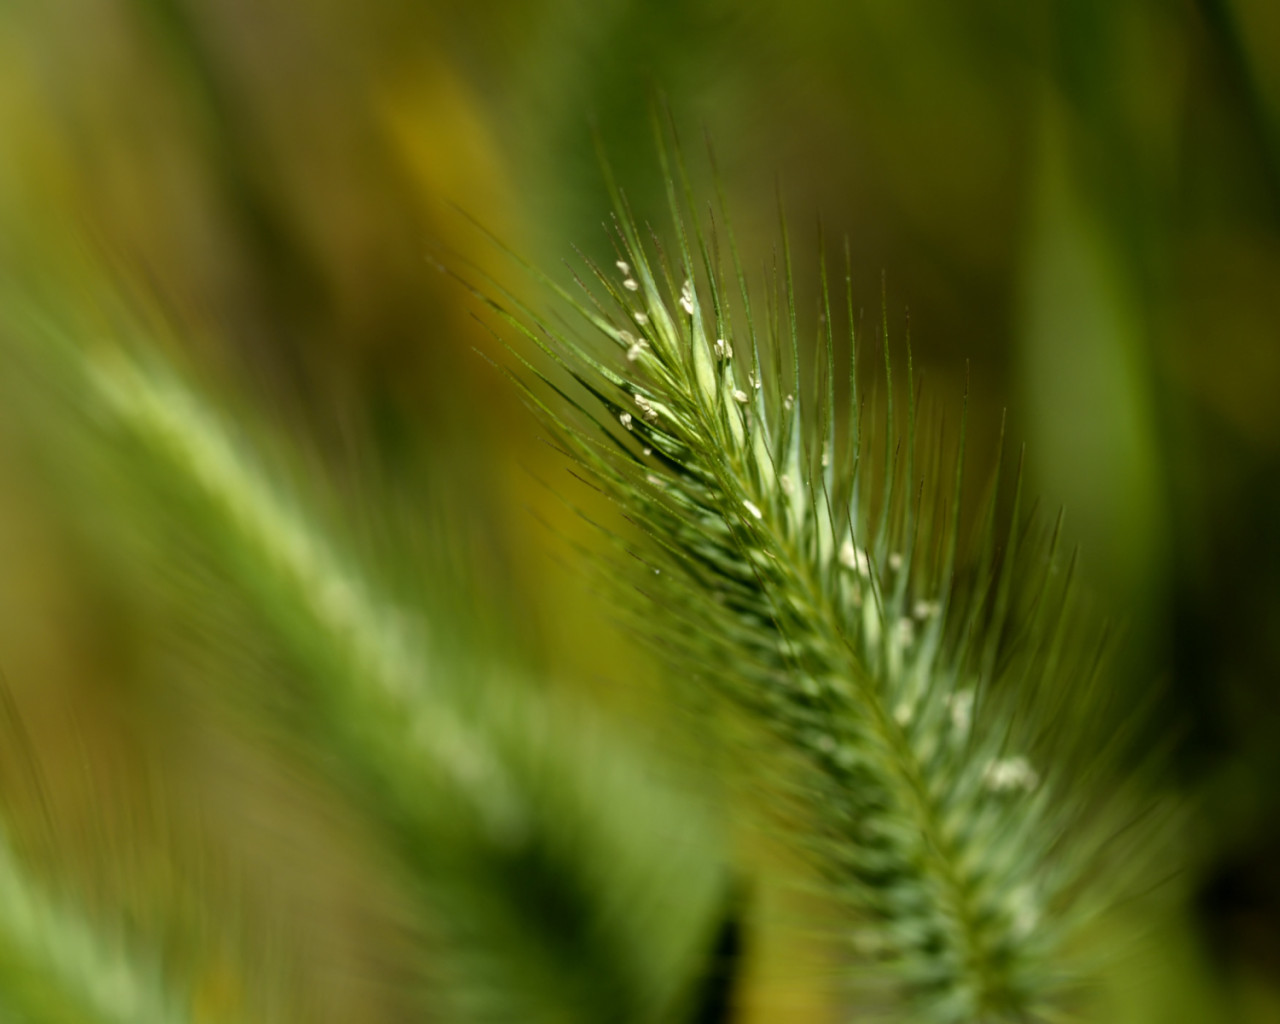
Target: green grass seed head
801	558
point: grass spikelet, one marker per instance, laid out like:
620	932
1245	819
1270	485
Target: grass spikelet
538	856
798	551
55	965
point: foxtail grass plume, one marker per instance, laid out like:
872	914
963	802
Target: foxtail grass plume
797	552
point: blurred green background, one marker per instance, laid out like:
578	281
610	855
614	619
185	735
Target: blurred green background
1079	200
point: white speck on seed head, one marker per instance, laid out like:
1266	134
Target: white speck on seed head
686	297
855	559
631	285
723	349
925	609
751	507
625	420
1025	913
895	558
624	267
641	318
1010	773
960	704
740	396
